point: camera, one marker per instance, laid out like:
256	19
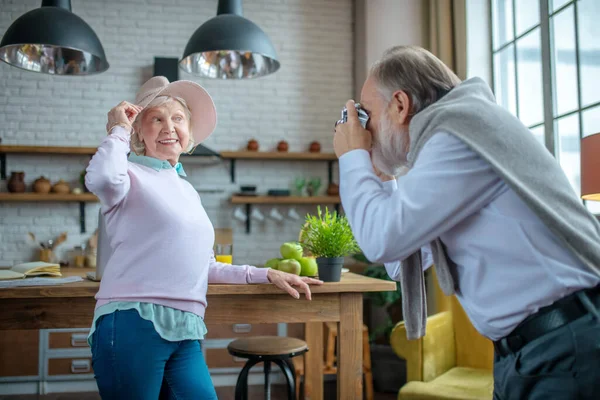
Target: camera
362	116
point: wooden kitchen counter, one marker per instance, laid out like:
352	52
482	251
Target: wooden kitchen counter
72	305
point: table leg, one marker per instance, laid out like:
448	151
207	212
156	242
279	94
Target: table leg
313	361
349	374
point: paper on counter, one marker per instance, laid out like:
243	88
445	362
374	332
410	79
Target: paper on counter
39	281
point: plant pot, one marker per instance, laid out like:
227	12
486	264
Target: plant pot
330	268
389	370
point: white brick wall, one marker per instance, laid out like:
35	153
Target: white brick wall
300	103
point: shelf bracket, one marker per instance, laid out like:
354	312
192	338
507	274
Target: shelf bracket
2	166
82	216
330	171
232	169
248	210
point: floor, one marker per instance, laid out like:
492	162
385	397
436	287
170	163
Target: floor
224	393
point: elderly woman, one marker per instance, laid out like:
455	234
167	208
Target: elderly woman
149	314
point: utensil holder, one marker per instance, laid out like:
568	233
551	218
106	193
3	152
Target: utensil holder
46	255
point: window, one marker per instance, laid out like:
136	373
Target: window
546	71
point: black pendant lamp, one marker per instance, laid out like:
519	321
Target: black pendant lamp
229	46
53	40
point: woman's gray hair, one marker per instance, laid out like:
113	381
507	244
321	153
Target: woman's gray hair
414	70
137	144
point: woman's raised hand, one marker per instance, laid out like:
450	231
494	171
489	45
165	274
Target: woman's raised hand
122	114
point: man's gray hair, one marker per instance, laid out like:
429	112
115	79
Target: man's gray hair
414	70
137	144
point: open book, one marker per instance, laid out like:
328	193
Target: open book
35	268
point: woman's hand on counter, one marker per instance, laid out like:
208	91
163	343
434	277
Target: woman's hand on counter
286	282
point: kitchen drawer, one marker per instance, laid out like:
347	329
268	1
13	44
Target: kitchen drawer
220	358
226	331
70	366
68	340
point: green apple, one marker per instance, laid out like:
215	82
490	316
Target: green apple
272	263
291	250
289	266
308	266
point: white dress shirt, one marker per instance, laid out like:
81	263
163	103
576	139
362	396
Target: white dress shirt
509	264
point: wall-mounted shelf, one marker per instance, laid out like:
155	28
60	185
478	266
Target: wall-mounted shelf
232	156
48	197
285	200
18	149
33	197
250	200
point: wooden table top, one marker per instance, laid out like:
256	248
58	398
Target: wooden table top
350	282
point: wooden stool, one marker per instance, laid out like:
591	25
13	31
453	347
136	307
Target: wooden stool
266	349
330	367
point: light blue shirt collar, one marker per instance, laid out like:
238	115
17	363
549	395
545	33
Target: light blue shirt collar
155	163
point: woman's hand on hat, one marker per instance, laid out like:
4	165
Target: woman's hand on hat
123	114
286	282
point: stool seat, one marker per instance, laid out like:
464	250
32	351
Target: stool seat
267	346
266	349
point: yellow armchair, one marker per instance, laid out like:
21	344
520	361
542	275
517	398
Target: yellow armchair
452	361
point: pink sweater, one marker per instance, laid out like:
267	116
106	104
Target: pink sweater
161	236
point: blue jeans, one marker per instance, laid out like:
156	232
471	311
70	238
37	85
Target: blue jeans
131	361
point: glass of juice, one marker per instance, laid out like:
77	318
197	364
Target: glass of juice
223	253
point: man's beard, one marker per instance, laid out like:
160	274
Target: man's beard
390	148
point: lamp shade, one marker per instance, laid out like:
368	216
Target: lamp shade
53	40
229	46
590	167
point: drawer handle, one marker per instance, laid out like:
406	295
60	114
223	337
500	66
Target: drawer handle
79	340
242	328
80	366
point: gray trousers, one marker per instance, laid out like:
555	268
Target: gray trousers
560	365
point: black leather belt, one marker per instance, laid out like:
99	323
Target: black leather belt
547	319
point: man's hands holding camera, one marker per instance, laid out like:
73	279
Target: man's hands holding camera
351	135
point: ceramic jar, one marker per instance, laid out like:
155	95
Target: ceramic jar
252	145
314	147
61	187
16	183
282	146
41	185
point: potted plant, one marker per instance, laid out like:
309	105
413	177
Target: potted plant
328	237
383	311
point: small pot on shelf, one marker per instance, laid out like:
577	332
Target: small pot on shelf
61	187
330	268
314	147
252	145
16	182
42	185
282	146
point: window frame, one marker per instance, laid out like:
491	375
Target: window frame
548	89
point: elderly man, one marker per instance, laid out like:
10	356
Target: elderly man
493	208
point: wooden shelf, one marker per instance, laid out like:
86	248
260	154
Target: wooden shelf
233	156
16	149
69	197
277	155
285	200
249	201
33	197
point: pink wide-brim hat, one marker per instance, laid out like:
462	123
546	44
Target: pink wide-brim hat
201	105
